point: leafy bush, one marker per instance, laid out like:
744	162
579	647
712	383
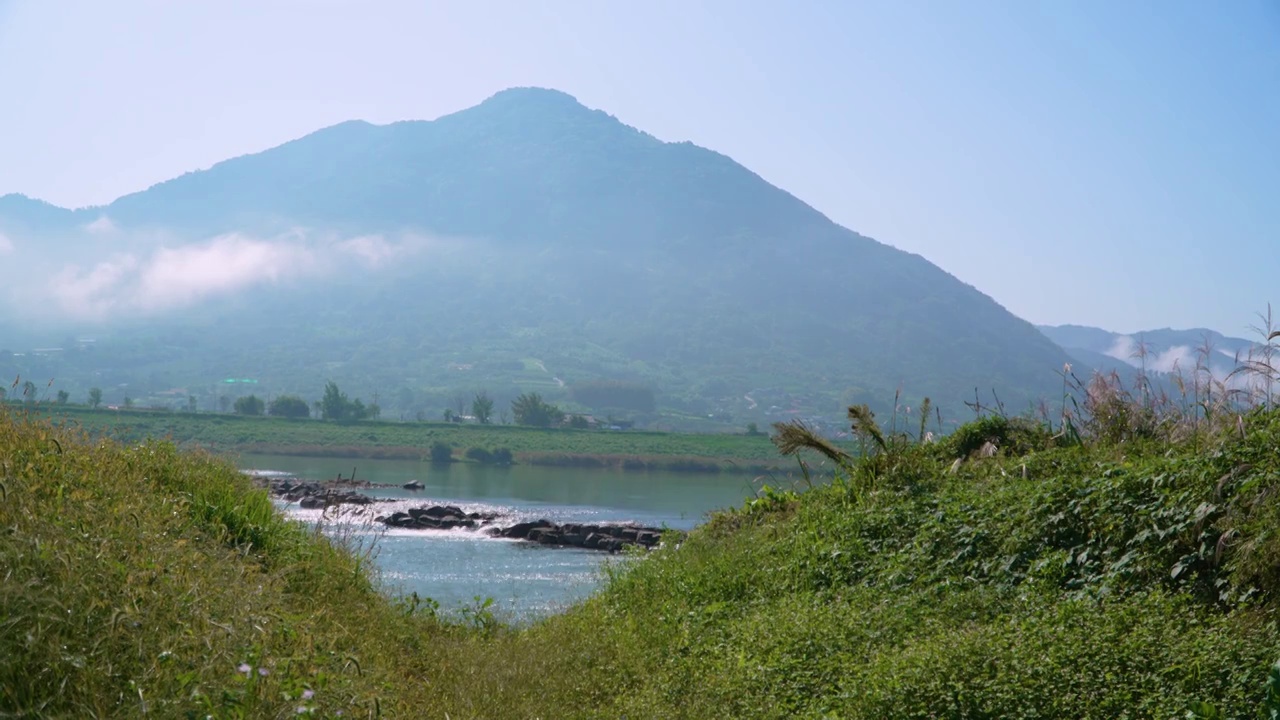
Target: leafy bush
249	405
1012	436
441	452
531	409
289	406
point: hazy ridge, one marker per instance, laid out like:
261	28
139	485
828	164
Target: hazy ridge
527	243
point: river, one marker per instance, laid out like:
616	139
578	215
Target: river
525	581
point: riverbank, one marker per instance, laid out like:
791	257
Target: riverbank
604	449
1008	571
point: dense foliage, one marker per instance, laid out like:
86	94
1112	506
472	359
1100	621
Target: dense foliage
531	409
249	405
482	408
1084	581
141	582
1046	575
335	405
289	406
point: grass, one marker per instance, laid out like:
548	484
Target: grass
1122	562
1080	581
624	450
138	580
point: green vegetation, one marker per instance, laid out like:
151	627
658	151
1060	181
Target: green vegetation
441	452
498	456
547	446
249	405
619	395
482	408
531	409
337	406
1122	562
288	406
140	581
586	261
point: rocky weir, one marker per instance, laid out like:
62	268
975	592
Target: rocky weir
607	537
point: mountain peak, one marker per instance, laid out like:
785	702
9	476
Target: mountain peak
527	95
632	258
522	107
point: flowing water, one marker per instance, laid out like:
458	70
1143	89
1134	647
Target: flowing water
524	580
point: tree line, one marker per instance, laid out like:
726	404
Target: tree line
528	409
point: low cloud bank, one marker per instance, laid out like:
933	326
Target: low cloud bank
1178	357
1221	363
157	276
102	226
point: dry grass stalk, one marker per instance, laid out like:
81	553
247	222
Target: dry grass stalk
792	437
865	425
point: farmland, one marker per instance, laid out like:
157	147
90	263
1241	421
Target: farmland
374	439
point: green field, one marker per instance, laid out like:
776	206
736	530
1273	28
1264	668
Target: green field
623	449
1127	566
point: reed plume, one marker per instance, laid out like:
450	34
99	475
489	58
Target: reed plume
794	436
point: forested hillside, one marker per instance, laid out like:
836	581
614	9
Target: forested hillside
527	243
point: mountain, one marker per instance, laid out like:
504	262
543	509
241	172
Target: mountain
1167	350
527	243
19	213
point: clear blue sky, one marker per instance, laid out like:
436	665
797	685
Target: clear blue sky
1087	161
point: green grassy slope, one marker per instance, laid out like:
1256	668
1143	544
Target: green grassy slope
138	581
1127	579
1087	583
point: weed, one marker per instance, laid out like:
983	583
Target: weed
1124	563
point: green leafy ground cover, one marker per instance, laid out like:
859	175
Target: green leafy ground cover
1040	574
674	451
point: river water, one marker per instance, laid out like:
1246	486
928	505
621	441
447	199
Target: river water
525	581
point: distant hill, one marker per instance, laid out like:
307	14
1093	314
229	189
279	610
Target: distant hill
527	243
21	214
1167	350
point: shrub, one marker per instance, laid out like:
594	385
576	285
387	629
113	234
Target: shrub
441	452
1011	436
290	406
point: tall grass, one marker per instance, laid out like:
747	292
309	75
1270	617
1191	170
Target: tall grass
1083	580
141	581
1113	557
